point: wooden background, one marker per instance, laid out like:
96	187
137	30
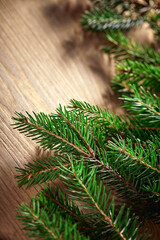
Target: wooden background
45	59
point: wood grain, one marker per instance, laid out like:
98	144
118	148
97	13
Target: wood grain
44	61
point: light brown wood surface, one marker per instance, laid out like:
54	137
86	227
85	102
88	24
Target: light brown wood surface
44	61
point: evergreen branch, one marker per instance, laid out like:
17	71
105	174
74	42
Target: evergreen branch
45	130
154	141
134	155
143	135
106	218
97	114
110	124
76	126
138	166
95	130
44	174
41	170
145	106
47	169
124	48
50	234
69	120
89	190
40	223
65	206
38	176
60	200
103	19
134	72
113	177
154	188
127	182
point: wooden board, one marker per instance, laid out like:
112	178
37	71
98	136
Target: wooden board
44	61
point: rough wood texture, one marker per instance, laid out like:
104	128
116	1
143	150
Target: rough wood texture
44	62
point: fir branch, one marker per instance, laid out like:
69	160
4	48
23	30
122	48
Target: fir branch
112	175
60	200
126	180
45	130
110	124
145	106
105	18
154	141
66	207
33	177
138	165
134	72
40	171
100	160
98	115
134	155
77	127
154	188
86	223
124	48
33	216
40	223
90	191
47	169
106	218
95	130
